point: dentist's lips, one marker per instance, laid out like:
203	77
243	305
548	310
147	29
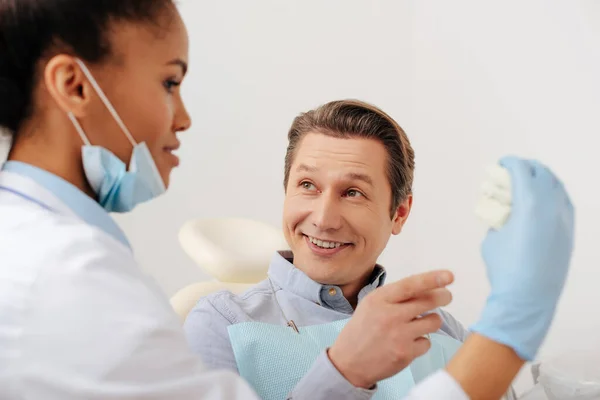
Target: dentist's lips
169	150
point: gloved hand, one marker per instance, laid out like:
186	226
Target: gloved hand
527	259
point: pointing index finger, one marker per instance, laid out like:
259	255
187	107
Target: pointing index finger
415	285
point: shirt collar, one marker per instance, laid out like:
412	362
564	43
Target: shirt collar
284	274
85	207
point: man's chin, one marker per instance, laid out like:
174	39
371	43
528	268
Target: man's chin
325	273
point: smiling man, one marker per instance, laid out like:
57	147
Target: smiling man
348	188
348	179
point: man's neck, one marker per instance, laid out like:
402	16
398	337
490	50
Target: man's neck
352	290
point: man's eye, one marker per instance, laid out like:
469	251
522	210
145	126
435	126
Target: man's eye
353	193
307	186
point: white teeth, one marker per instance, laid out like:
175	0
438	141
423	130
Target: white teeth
323	244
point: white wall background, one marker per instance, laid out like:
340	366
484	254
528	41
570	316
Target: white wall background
468	80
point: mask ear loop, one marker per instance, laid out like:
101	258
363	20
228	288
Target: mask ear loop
113	112
106	102
79	129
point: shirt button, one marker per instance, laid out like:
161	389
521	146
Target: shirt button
332	292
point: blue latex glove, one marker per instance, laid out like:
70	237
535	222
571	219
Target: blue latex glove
528	259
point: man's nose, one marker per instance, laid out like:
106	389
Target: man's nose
326	215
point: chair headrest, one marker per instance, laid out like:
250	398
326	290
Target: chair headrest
232	249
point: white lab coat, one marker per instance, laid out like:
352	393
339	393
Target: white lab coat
79	320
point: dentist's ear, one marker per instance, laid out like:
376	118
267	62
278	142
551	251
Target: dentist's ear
67	85
401	214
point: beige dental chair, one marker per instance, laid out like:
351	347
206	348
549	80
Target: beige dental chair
235	252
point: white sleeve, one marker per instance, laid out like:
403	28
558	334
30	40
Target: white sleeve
440	386
99	329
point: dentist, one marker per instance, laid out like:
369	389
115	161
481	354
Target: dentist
89	92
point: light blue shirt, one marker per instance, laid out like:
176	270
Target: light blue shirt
85	207
302	300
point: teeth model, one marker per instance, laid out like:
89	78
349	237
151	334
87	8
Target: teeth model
495	198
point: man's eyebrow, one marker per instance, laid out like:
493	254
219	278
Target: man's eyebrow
305	168
352	176
360	177
181	63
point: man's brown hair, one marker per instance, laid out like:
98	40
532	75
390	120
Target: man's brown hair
356	119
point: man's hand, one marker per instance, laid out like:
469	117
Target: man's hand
386	332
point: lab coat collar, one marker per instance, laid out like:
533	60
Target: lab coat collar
59	196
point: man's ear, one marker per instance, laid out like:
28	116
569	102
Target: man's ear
67	84
401	214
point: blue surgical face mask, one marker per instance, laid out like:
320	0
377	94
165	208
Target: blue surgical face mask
119	189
